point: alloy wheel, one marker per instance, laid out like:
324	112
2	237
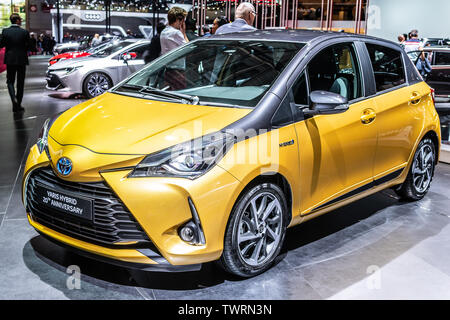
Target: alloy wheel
260	229
97	84
423	168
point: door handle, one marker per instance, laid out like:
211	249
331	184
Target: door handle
368	116
415	97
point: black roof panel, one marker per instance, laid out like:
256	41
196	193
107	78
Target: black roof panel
296	35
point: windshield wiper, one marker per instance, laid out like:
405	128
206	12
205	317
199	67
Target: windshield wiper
131	86
174	95
185	98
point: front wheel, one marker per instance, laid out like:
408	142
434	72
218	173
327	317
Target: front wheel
420	174
255	232
96	84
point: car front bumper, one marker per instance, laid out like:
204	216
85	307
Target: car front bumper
160	205
61	82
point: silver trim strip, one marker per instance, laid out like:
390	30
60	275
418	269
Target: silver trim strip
196	219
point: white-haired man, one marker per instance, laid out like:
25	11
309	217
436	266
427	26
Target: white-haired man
243	20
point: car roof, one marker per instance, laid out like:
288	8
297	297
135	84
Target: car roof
437	48
290	35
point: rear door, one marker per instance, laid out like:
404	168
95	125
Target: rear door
398	108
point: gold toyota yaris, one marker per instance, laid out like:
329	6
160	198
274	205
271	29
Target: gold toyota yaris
211	151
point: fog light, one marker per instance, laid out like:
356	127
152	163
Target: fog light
188	232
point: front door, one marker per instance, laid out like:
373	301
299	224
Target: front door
336	151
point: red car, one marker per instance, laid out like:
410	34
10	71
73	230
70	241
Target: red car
77	54
68	55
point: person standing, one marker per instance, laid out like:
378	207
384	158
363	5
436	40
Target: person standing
52	45
16	42
191	26
96	40
244	17
413	43
401	40
206	31
46	44
154	49
174	35
33	45
40	43
2	58
218	22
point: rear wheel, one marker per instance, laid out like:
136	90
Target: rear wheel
420	174
255	231
96	84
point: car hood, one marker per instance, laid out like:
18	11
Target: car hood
119	124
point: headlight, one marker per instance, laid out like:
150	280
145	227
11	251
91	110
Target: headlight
68	70
43	136
42	141
187	160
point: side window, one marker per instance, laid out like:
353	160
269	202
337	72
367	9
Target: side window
283	116
336	69
300	91
442	59
139	51
387	66
413	55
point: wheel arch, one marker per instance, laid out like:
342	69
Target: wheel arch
97	71
431	134
275	178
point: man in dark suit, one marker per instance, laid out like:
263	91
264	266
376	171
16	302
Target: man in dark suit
16	42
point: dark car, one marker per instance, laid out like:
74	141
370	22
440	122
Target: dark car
433	42
439	77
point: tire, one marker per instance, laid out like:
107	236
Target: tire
247	258
420	174
96	84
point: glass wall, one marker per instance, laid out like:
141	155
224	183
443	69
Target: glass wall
11	6
332	15
335	15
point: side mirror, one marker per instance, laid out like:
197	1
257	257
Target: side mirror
325	102
128	56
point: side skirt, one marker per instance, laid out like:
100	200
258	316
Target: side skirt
370	185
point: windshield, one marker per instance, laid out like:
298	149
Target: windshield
231	72
110	48
98	48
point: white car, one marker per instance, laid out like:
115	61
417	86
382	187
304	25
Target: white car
95	74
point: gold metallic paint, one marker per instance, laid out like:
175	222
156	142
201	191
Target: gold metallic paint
330	156
128	125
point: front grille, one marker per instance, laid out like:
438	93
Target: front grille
53	81
112	222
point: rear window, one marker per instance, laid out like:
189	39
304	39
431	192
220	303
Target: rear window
387	66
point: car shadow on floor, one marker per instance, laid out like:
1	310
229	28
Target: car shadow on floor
67	96
104	274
